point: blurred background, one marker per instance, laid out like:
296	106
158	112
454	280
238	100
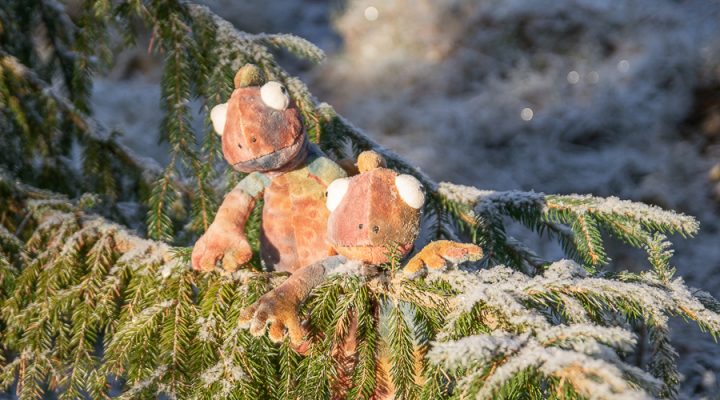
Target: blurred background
609	97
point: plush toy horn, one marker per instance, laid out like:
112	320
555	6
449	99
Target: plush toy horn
369	160
249	75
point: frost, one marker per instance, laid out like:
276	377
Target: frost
491	202
612	336
144	384
225	373
134	254
151	311
461	193
504	291
565	269
574	310
644	213
9	238
166	270
241	275
594	378
475	350
349	267
487	201
212	374
591	377
206	327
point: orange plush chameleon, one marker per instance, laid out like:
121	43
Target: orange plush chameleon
372	215
263	135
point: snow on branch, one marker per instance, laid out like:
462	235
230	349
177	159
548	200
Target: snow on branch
521	324
510	355
519	311
576	220
643	295
474	350
494	202
238	47
650	216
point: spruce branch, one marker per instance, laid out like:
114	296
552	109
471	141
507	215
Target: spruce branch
576	220
87	301
91	130
161	297
402	355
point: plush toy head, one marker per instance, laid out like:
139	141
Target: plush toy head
375	212
261	128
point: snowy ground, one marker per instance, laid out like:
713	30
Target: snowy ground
610	97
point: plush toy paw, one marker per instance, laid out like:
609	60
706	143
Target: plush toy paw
441	254
278	310
221	245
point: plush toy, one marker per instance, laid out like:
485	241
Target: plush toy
373	215
263	135
377	214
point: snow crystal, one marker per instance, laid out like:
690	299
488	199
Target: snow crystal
212	374
166	270
349	267
610	385
133	254
564	269
618	338
206	327
151	311
573	309
145	383
224	372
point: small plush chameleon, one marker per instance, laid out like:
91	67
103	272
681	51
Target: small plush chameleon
263	135
373	215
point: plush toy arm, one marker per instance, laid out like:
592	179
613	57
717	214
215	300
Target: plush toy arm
225	238
440	254
235	209
278	307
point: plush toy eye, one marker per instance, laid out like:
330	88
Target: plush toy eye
335	192
410	190
218	115
274	95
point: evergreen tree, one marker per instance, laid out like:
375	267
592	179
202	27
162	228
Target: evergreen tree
91	308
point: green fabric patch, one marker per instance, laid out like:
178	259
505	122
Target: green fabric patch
326	169
254	184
